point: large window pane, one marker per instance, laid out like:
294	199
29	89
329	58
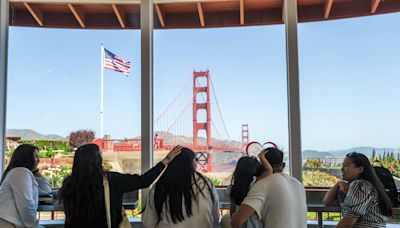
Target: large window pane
247	70
349	95
54	89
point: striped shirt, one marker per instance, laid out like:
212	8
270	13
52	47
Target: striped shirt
362	202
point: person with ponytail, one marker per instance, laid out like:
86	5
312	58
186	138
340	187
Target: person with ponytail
361	195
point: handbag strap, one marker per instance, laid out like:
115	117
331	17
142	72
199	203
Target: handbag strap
107	200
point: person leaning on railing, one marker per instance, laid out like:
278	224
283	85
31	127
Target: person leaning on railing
20	187
82	193
361	195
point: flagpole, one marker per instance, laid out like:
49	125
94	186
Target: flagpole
101	91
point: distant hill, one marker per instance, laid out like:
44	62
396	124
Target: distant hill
364	150
316	154
28	134
179	139
342	153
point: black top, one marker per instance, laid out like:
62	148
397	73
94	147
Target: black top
119	184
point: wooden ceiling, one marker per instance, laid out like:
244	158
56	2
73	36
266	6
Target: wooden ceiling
173	14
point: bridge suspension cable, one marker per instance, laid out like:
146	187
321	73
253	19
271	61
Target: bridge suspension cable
219	110
173	101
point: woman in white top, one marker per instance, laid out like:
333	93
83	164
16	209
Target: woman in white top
20	187
182	197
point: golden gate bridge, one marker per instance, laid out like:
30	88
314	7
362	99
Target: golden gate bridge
176	122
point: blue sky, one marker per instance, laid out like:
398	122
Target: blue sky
349	75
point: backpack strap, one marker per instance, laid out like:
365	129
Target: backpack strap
106	186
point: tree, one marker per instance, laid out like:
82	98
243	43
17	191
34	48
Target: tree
80	137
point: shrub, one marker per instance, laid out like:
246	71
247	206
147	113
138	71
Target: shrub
49	145
46	154
80	137
314	178
55	173
107	165
215	181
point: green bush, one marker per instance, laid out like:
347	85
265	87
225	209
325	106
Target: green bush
215	181
46	154
314	178
107	165
9	153
55	173
50	145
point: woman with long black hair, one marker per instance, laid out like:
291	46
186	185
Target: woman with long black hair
248	170
182	197
20	187
361	196
82	193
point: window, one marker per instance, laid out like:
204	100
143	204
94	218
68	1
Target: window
349	96
246	72
54	89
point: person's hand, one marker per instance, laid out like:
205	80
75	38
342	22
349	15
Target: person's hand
172	154
343	186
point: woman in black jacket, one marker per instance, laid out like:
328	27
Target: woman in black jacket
82	193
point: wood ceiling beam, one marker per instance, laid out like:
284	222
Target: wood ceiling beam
374	5
79	16
241	12
36	14
160	15
328	8
120	17
201	14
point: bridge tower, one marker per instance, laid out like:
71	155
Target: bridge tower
197	89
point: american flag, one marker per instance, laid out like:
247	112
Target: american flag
115	63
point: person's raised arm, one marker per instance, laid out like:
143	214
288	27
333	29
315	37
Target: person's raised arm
172	154
267	166
128	182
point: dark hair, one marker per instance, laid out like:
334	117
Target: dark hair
82	192
246	169
274	156
23	156
176	184
360	160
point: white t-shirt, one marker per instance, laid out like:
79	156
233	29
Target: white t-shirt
205	212
280	201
